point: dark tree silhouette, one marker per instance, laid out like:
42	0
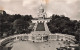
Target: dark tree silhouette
11	23
20	25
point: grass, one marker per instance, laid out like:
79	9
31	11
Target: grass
40	27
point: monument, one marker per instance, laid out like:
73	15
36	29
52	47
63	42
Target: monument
41	13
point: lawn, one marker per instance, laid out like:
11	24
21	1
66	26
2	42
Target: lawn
40	27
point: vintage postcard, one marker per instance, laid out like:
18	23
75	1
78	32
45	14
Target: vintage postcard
39	24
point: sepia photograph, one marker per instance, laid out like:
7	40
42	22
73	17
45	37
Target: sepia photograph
39	24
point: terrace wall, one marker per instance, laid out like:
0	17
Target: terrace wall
25	37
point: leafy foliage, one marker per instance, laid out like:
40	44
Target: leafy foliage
62	24
10	24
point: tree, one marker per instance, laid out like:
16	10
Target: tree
27	17
11	23
5	28
20	25
78	36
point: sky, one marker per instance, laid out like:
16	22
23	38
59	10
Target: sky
69	8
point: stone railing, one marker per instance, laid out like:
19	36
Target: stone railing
7	40
29	37
63	37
